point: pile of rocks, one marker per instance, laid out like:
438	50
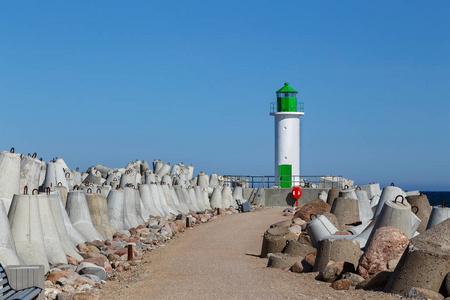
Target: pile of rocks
384	249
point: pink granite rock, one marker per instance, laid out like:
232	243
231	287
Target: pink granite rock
386	244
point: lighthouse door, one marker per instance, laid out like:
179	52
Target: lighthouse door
285	172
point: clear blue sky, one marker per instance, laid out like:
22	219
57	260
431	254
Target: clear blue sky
113	81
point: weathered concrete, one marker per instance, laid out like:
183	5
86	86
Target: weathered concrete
425	263
30	171
98	209
283	196
9	177
438	215
423	209
275	240
116	209
8	253
337	250
55	175
333	194
26	230
319	228
282	260
300	247
346	210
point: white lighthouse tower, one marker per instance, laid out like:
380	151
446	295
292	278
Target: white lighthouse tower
287	112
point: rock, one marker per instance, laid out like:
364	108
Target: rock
386	244
337	250
375	282
299	222
419	293
92	277
340	232
95	258
281	260
275	239
296	230
301	247
447	283
54	276
64	281
355	279
392	264
82	248
311	258
113	257
297	267
84	296
85	280
285	223
333	271
107	266
316	207
341	285
72	261
90	268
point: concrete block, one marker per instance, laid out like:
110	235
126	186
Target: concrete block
337	250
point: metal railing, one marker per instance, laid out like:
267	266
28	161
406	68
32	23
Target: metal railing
274	108
264	181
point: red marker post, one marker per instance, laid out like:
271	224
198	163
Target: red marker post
296	193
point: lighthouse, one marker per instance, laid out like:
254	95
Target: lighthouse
287	112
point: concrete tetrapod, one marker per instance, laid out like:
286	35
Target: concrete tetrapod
227	197
199	196
179	195
202	180
62	191
78	211
56	208
98	209
165	169
372	190
332	194
147	200
131	218
275	240
347	193
141	215
9	176
190	172
103	170
75	237
388	193
42	173
213	181
94	177
157	165
30	172
26	230
55	175
216	198
8	253
155	196
346	210
167	210
438	214
206	199
128	178
398	215
52	242
336	250
365	210
169	198
166	180
187	198
425	263
116	206
181	208
194	199
176	170
238	195
374	201
319	228
423	209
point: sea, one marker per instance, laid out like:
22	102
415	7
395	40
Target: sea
436	198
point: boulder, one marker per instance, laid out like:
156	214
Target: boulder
90	268
355	279
275	240
386	244
426	262
419	293
316	207
333	271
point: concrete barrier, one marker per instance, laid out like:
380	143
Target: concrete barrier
98	209
130	208
365	210
194	199
319	228
181	208
62	191
283	196
52	242
275	239
199	196
421	206
425	263
8	253
42	173
438	215
75	237
206	199
147	200
337	250
55	175
103	170
372	190
169	198
167	209
238	194
116	204
227	197
213	181
346	210
93	177
155	196
128	178
388	194
187	198
9	176
30	172
165	169
181	198
216	198
397	214
374	201
333	194
54	200
78	211
26	230
141	214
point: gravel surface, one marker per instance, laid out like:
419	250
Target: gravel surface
220	260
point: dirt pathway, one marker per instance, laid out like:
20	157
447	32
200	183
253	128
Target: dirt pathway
219	260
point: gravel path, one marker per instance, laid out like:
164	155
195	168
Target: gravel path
219	260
